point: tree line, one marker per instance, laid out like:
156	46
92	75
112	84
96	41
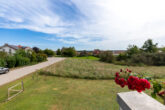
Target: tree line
148	54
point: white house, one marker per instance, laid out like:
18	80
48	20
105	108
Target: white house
11	49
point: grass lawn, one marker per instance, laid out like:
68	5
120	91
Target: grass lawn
59	93
88	57
55	93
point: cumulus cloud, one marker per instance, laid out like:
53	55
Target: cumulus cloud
104	24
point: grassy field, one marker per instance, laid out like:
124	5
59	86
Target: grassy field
91	69
43	92
88	57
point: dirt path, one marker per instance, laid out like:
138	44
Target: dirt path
18	73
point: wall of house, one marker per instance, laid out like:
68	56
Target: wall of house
7	49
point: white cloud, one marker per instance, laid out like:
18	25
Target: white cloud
34	15
123	22
107	24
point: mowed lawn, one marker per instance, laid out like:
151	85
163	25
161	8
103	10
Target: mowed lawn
49	92
55	93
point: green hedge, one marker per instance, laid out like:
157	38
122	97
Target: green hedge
11	61
2	62
41	57
21	61
21	58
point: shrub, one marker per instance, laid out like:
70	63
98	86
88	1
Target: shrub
21	61
106	56
157	59
68	52
3	55
21	52
11	61
2	62
33	57
84	53
132	50
121	57
41	57
49	52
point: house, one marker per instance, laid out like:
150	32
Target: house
96	52
117	52
11	49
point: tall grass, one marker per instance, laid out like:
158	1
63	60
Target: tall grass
80	68
91	69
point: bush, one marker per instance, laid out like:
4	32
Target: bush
121	57
2	62
33	57
41	57
49	52
68	52
106	56
11	61
21	52
84	53
3	55
157	59
21	61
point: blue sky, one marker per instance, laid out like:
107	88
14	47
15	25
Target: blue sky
84	24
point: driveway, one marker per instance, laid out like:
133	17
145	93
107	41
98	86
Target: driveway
18	73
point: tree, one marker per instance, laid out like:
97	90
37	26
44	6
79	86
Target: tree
131	50
49	52
162	49
106	56
58	52
68	52
149	46
83	53
36	49
122	56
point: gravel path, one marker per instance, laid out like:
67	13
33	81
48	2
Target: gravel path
18	73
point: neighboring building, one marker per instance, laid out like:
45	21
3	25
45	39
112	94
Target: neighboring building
24	47
96	52
117	52
11	49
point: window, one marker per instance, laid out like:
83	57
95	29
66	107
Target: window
3	50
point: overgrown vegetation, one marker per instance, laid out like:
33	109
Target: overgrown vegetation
79	68
91	69
21	58
148	54
107	56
